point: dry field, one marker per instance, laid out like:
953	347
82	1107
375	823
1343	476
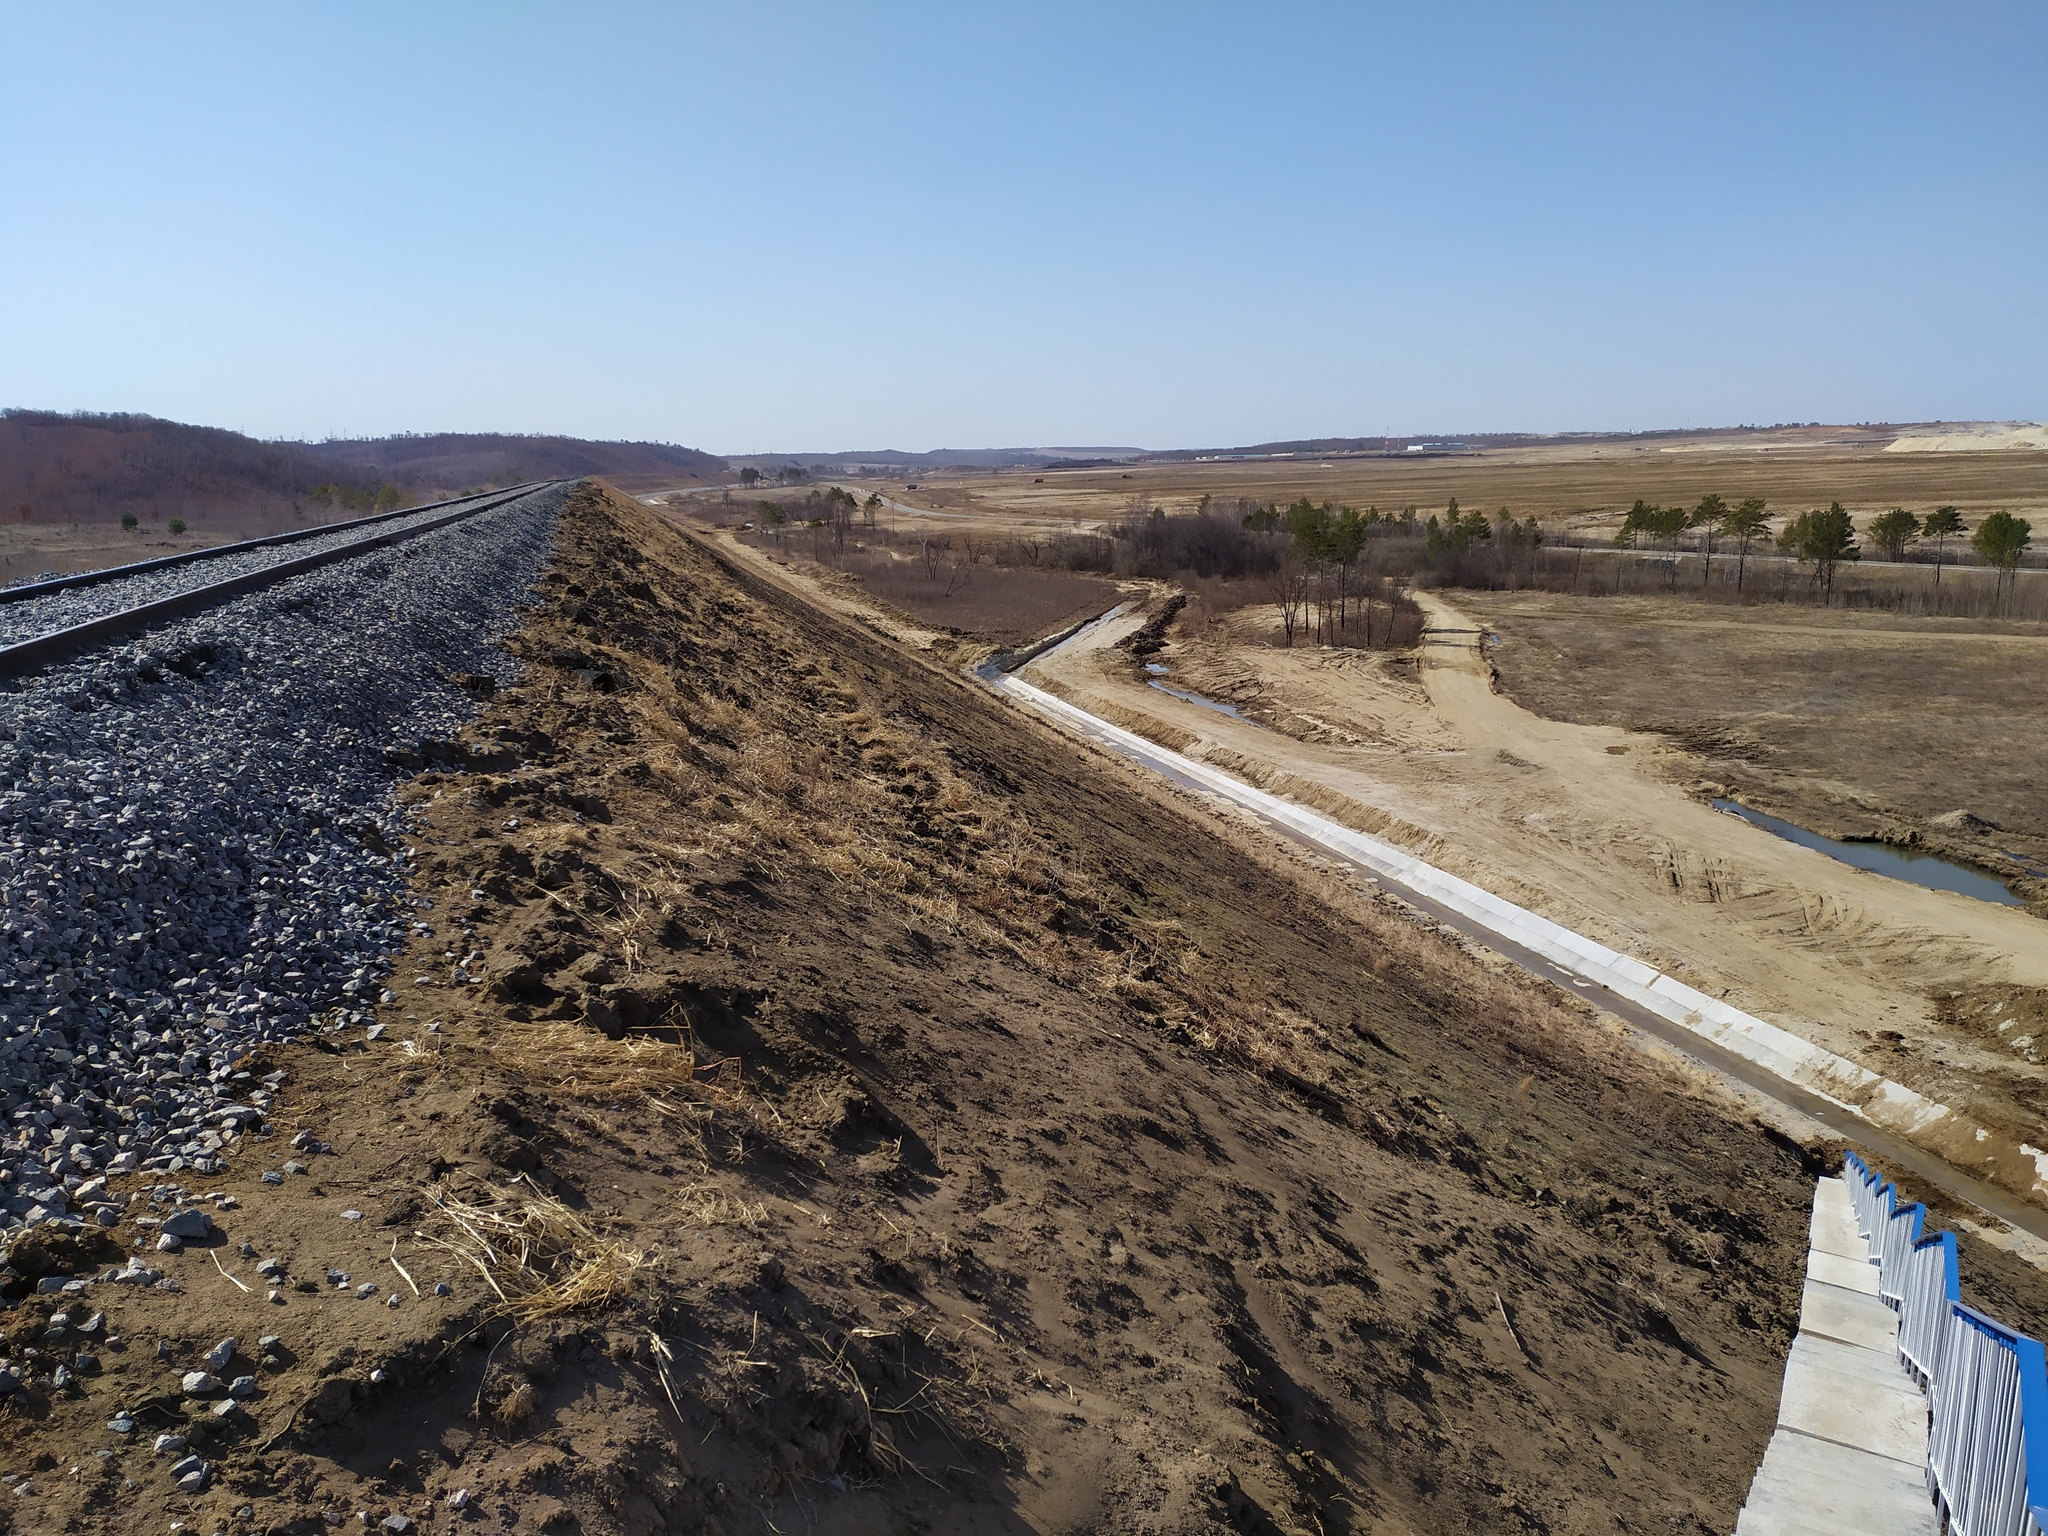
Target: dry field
952	590
1843	722
32	549
1570	485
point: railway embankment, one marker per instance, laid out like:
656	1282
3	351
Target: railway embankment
810	1091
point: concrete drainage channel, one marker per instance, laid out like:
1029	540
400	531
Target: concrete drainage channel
1886	1118
194	825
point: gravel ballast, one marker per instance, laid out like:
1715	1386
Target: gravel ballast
29	617
199	848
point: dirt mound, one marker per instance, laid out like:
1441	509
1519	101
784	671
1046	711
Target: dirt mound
1961	822
1982	437
831	1101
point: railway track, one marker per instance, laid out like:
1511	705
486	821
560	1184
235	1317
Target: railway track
45	620
200	850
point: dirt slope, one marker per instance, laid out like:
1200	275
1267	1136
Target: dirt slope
915	1126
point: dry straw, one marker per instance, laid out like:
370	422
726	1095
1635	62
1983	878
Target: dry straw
576	1060
537	1255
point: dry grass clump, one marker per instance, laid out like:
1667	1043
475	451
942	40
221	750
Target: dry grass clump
516	1405
703	1205
575	1060
537	1255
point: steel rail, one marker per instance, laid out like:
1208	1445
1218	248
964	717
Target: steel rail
34	589
60	642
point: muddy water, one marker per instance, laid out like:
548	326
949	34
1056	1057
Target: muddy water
1194	698
1922	869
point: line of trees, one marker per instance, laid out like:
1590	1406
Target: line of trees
788	474
1744	523
1325	580
1823	539
357	498
2000	540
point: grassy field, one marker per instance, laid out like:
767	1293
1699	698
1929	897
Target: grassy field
1838	720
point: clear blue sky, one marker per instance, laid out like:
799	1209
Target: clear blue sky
776	226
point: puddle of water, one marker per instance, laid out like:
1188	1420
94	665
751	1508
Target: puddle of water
1922	869
1157	668
1196	698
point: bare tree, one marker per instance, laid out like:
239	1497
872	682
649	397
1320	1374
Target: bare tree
1288	583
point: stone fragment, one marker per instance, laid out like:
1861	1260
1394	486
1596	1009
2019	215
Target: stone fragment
196	1382
189	1223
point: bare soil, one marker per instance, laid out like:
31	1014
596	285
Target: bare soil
1608	831
1854	724
922	1126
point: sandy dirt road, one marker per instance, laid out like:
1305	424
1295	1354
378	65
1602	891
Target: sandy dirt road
1585	825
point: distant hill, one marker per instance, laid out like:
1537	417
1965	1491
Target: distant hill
59	468
476	458
890	460
83	467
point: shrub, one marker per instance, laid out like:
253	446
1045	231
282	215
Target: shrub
130	522
176	525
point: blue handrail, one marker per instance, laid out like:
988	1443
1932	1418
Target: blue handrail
1987	1384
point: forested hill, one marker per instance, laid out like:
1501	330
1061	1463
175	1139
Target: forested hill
83	467
56	468
471	458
